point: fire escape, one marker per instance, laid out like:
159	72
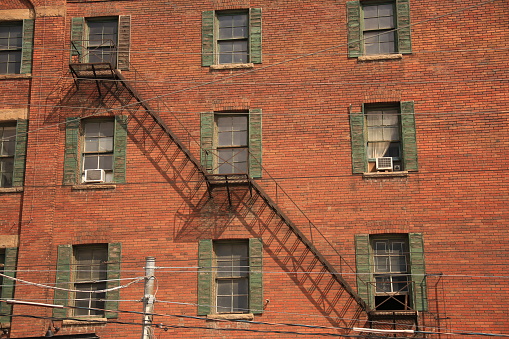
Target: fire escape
102	73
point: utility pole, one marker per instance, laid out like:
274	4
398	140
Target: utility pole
148	299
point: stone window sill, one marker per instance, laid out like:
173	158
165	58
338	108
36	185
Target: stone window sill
11	189
232	66
369	175
85	187
380	57
15	76
86	321
231	316
392	313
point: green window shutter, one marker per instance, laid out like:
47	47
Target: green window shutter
408	135
362	258
205	281
11	256
255	35
207	140
418	271
112	297
77	37
119	151
403	24
71	154
27	46
63	279
255	143
20	152
124	42
353	10
207	38
359	161
255	275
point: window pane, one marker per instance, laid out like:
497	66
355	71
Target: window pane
375	134
224	287
240	304
398	264
240	286
225	138
380	247
106	162
91	145
382	264
106	144
106	129
385	10
224	304
91	161
92	129
383	284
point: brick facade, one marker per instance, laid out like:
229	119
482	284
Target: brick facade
307	201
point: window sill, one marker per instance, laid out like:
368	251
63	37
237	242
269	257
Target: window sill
11	189
380	57
86	321
392	313
232	66
15	76
231	316
85	187
385	174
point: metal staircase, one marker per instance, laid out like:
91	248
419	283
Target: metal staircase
112	85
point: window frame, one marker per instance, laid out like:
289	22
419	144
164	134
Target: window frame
218	39
207	295
80	35
234	278
64	279
98	285
102	44
408	141
98	153
208	140
395	290
210	37
13	51
369	109
416	269
355	28
379	31
73	156
242	148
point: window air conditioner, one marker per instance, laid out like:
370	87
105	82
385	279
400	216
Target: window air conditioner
94	175
384	163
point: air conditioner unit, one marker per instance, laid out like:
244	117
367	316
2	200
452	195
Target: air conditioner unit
94	175
384	163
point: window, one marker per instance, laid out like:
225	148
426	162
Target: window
95	150
101	39
97	158
231	37
88	268
391	271
89	274
383	135
230	276
384	131
12	153
16	40
7	151
231	142
378	28
8	257
11	42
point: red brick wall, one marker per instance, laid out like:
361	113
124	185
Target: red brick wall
457	199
